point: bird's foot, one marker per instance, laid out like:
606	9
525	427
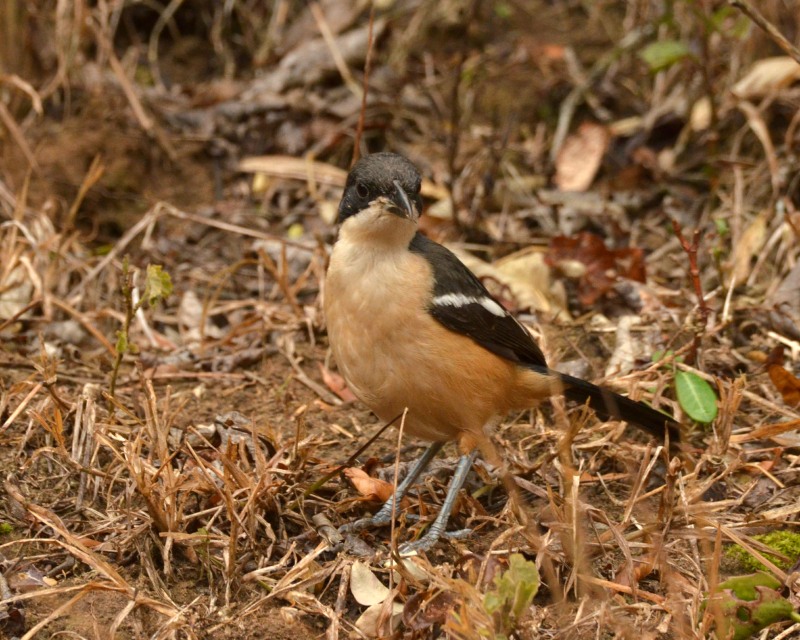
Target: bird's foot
380	519
362	524
429	540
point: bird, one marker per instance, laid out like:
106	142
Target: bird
413	331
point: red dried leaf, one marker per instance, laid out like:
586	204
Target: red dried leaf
602	266
785	382
370	488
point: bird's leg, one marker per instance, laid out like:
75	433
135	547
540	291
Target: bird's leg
384	515
437	528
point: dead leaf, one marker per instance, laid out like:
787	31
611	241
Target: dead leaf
528	276
365	586
580	157
525	275
766	76
371	488
425	609
337	384
370	621
748	247
785	382
642	568
30	579
603	266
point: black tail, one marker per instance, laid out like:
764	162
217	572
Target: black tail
612	406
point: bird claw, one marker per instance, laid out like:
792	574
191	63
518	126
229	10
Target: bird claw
429	540
361	525
460	534
373	522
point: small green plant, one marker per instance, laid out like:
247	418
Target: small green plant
512	594
158	286
744	605
5	528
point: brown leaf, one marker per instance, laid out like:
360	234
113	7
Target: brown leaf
601	266
643	567
748	247
425	609
785	382
580	157
370	488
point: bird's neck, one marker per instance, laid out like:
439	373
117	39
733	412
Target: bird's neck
380	233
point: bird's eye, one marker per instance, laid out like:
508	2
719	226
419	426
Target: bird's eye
361	190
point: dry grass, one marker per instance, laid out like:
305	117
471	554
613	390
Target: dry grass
176	503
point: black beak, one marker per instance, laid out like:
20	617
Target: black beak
401	203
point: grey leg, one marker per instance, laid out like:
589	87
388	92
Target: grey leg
384	515
437	528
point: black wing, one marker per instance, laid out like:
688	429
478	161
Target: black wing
462	304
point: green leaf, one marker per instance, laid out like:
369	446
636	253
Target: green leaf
513	591
696	397
662	55
748	604
158	285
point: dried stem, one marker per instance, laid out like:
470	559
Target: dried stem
771	30
694	272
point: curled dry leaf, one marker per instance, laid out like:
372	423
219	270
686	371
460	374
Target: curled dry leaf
785	382
580	157
371	488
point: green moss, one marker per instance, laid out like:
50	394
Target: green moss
784	542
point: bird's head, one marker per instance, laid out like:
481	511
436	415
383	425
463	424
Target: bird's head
382	198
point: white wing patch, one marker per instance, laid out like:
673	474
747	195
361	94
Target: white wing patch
461	300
